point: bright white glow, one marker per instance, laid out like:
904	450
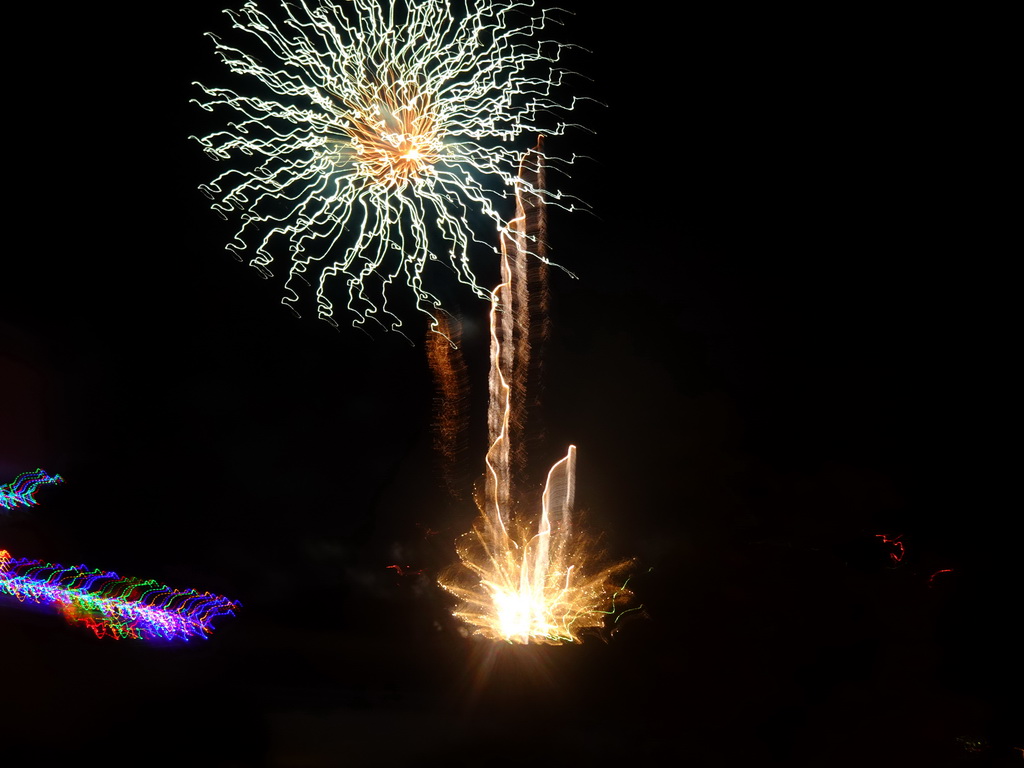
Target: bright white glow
377	130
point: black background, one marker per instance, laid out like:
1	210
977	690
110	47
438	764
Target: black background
781	346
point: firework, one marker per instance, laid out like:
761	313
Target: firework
20	492
110	605
383	128
526	580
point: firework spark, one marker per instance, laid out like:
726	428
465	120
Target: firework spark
523	580
387	127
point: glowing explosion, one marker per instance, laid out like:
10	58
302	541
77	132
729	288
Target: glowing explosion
389	126
524	580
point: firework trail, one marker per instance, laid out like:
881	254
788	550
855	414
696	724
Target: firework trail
20	492
112	606
387	127
521	580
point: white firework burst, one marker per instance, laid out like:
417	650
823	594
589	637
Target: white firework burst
384	126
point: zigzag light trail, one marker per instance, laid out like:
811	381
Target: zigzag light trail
20	492
387	127
108	604
112	606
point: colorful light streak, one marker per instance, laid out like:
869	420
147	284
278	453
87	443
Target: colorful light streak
111	605
389	126
20	492
523	580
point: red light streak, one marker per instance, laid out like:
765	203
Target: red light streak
898	550
406	570
427	530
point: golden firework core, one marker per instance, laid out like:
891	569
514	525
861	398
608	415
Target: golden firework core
396	138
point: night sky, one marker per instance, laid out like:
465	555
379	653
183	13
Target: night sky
777	351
